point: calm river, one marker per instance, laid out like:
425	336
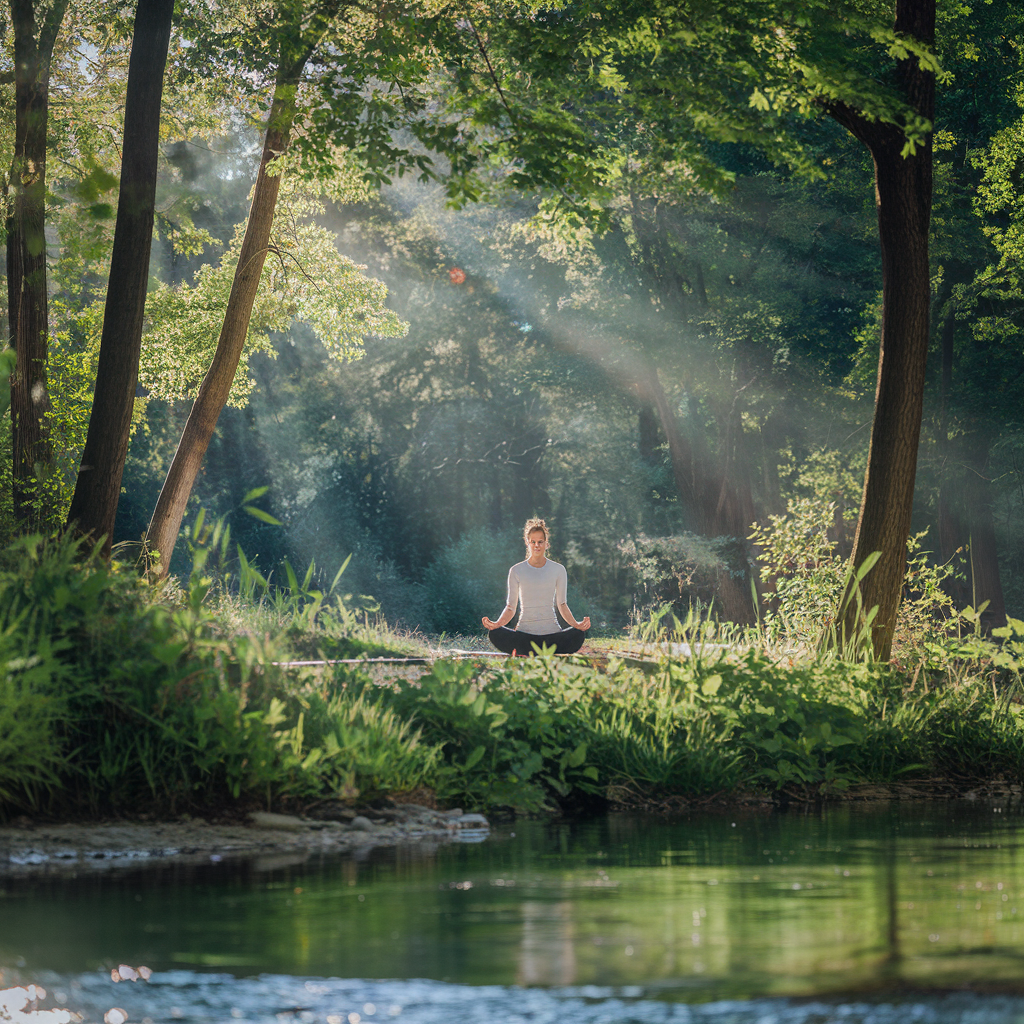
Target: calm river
859	914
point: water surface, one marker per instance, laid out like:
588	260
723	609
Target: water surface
636	915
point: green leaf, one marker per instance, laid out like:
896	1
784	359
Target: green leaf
275	714
8	360
293	581
561	788
474	758
759	101
866	566
256	492
711	685
258	513
578	756
344	566
168	653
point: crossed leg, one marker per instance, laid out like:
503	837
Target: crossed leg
511	641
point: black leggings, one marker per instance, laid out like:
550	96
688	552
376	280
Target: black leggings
511	641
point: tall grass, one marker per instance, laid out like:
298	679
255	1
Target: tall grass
120	698
116	697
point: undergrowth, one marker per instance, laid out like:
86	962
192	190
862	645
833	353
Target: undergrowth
118	697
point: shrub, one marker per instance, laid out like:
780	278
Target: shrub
31	708
804	579
683	571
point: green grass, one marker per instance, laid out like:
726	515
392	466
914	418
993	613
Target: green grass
117	697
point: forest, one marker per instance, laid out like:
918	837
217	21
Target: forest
731	295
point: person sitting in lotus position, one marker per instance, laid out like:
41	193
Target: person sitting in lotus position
538	585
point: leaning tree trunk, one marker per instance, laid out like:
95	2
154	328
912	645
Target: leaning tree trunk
26	249
94	505
903	189
213	392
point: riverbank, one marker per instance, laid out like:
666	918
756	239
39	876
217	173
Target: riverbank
30	847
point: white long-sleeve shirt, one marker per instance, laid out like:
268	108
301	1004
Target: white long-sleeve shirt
539	592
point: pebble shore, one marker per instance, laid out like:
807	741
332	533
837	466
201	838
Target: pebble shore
40	848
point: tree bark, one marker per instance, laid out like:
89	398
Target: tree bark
213	392
715	506
647	434
903	188
680	454
98	487
26	250
948	540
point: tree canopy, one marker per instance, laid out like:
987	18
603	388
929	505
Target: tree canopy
613	263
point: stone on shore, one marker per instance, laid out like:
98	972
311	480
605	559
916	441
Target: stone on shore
280	822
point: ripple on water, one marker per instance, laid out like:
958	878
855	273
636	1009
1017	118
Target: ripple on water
190	997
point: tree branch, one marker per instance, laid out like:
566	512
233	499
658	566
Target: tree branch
494	77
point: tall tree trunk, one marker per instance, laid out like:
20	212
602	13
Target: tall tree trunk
903	189
647	434
967	524
98	487
986	587
213	392
952	512
684	470
26	248
770	436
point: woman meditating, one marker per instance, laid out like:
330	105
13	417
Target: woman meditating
538	584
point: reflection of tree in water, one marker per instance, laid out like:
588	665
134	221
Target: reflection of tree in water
547	955
893	957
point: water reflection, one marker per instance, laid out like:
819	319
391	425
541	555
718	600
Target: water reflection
709	906
547	951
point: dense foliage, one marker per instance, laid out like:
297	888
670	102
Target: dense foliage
118	697
555	363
